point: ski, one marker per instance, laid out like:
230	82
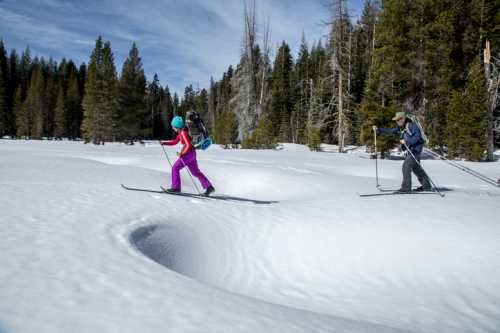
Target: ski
394	193
201	196
221	198
140	189
382	189
184	194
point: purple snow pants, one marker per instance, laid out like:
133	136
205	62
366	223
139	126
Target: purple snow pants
188	160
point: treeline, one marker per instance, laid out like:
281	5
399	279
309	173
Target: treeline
419	56
42	98
35	92
423	57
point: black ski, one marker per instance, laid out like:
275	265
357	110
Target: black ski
221	198
184	194
394	193
201	196
382	189
141	189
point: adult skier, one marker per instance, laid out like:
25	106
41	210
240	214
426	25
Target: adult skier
410	137
187	157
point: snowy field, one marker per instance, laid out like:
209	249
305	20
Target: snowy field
294	250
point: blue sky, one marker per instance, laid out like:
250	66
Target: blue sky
185	42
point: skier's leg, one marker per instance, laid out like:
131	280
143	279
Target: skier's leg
420	173
407	167
176	174
195	171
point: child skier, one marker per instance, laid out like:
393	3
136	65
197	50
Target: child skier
187	157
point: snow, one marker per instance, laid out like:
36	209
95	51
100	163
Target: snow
79	253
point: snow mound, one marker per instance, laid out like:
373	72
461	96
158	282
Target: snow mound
174	247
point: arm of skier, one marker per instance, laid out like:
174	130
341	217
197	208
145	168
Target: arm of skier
388	131
171	142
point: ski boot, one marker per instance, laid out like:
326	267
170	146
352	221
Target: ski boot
423	189
209	191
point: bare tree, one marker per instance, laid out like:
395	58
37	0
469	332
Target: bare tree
340	64
250	81
250	62
265	61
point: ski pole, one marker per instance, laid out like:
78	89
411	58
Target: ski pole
465	169
168	159
420	165
376	157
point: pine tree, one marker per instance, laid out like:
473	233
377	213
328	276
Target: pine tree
92	98
110	103
166	113
30	119
25	68
4	109
61	115
176	104
454	113
17	109
281	93
82	77
201	103
38	103
302	96
74	107
397	72
313	137
100	104
4	65
132	117
50	96
466	118
380	116
153	96
364	46
11	90
226	130
188	101
363	57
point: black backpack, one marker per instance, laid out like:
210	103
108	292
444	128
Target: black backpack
196	128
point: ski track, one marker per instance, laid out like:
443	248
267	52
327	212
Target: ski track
78	252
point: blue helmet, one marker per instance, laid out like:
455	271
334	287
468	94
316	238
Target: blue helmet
177	122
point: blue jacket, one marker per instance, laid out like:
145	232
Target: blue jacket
410	133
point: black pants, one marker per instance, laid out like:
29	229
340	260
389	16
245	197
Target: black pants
410	165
